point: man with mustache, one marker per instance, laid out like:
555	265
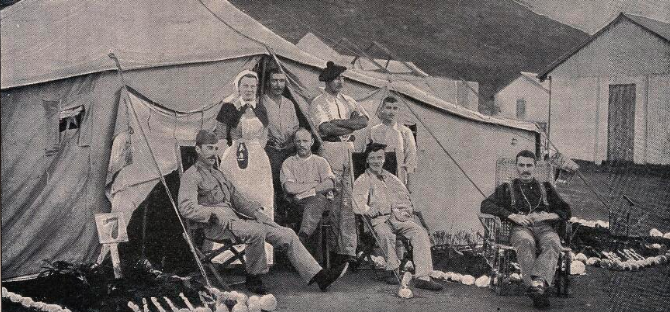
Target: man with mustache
282	124
207	196
533	208
309	180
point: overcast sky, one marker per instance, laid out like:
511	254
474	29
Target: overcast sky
591	15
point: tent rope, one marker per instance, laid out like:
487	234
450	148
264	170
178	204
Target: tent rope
444	149
160	174
579	174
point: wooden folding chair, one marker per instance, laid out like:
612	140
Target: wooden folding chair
497	246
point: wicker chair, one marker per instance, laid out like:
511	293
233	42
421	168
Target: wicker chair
497	247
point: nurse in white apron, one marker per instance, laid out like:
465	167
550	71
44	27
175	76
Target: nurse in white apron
242	124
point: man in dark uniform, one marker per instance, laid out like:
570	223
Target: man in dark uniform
532	207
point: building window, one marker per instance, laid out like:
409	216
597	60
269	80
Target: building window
521	108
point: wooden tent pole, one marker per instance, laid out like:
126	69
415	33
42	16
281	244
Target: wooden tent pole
189	241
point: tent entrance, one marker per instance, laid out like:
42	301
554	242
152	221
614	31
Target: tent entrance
621	122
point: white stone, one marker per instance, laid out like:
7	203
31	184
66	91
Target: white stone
667	235
437	274
655	233
577	268
580	257
240	307
592	261
268	302
405	293
482	281
222	308
468	279
254	307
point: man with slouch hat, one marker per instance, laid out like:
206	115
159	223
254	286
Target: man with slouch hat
207	196
336	117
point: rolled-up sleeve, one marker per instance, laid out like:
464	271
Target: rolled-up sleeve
317	112
286	175
325	172
188	199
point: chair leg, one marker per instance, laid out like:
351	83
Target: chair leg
498	267
563	274
218	277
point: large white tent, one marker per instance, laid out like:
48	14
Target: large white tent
64	107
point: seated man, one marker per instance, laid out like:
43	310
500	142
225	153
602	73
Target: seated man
383	198
308	179
206	196
532	207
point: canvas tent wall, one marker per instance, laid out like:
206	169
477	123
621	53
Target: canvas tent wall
610	98
178	55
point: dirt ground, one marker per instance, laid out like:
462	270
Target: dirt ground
598	290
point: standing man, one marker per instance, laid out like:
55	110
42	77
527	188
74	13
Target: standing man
399	139
382	197
282	124
308	179
337	116
533	208
206	196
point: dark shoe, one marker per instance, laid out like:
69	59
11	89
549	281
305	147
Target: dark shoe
427	284
541	302
327	277
391	278
255	285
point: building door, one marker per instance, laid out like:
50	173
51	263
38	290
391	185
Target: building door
621	122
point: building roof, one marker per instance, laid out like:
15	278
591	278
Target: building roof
658	28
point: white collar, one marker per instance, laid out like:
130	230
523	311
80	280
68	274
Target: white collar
240	102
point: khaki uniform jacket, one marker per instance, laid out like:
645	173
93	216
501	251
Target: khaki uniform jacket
204	191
